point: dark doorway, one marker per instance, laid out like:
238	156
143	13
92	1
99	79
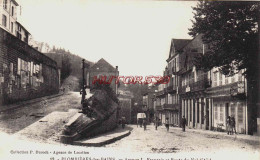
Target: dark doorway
227	110
207	114
193	113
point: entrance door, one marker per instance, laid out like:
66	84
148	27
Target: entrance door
226	110
207	114
193	113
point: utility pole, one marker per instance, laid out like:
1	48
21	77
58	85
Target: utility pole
83	91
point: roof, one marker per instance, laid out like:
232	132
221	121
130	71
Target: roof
178	44
102	65
23	27
15	2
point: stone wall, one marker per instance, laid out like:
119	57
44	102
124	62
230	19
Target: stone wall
25	73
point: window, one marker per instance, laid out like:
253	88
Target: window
12	27
198	112
4	20
5	4
226	79
221	116
12	10
233	109
240	76
240	113
216	112
192	78
202	110
215	79
220	78
233	79
190	107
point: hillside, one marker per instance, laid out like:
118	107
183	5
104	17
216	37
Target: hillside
75	61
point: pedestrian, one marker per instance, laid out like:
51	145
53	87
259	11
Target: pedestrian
183	123
156	122
233	125
167	125
144	123
123	122
228	125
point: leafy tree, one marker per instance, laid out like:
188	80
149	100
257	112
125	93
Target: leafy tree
65	67
231	29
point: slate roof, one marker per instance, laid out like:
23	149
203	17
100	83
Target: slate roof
178	44
102	65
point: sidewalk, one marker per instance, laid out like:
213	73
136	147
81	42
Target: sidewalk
242	137
105	138
24	103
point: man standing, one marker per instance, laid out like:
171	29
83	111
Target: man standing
156	122
144	123
183	123
229	127
167	125
233	124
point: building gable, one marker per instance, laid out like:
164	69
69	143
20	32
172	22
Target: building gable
102	66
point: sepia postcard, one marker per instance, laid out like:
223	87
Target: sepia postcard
129	80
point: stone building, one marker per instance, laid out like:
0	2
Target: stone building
208	98
195	105
9	12
168	96
149	101
205	99
102	69
125	104
25	73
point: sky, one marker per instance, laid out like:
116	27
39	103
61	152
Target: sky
133	35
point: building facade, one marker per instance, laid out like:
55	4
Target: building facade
102	70
149	98
125	103
168	103
195	104
208	98
9	11
25	73
205	99
228	98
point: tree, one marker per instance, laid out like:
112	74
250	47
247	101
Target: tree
231	29
65	67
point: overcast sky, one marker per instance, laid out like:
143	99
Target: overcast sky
134	35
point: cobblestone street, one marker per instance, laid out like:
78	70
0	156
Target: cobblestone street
176	141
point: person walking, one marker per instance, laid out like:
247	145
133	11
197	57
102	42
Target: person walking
144	123
233	125
156	122
183	123
228	125
123	121
167	125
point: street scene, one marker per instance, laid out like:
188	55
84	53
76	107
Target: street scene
133	80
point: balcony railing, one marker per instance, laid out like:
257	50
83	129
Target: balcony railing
195	86
171	89
158	107
171	106
236	89
161	92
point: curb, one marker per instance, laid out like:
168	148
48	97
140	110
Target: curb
32	101
232	137
99	144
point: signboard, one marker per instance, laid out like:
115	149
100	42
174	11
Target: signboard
187	89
